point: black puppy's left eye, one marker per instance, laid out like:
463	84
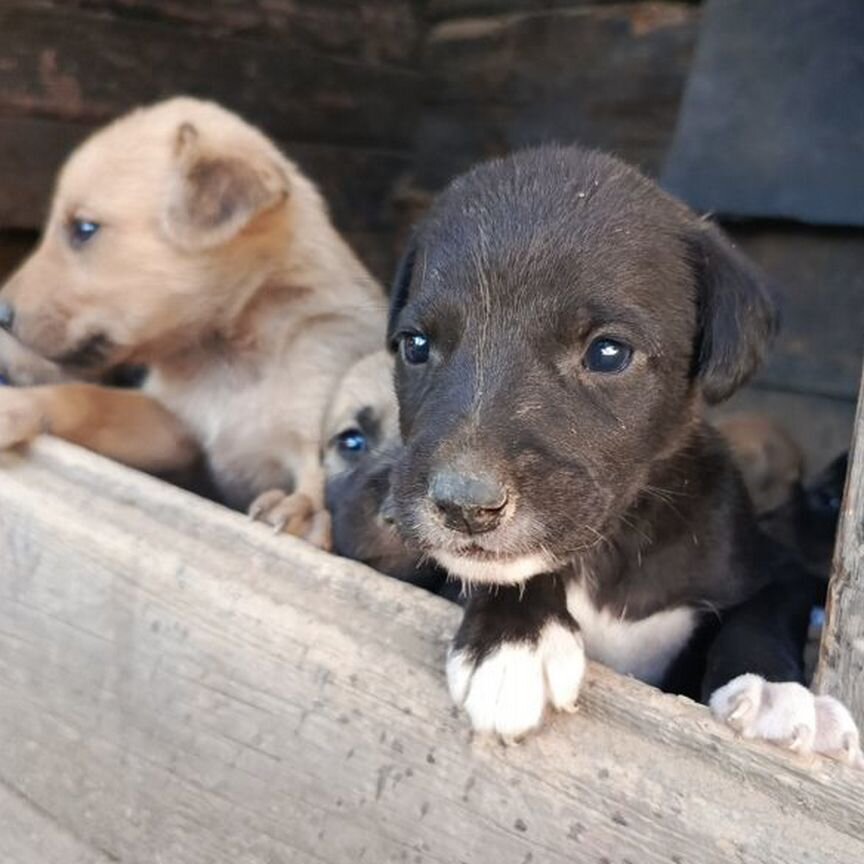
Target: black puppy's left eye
352	442
607	355
415	348
82	230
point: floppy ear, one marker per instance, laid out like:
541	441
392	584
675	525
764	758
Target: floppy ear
401	284
737	317
214	196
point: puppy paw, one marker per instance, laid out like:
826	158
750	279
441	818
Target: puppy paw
20	417
294	514
506	692
784	714
836	732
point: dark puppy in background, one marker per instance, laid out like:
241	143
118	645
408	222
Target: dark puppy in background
559	322
362	444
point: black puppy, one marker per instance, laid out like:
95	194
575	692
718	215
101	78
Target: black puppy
559	321
807	521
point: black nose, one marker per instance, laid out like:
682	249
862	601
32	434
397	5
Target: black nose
468	502
7	316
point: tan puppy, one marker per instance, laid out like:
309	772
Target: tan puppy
180	238
771	463
362	443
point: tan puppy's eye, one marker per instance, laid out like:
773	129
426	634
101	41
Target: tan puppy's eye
352	442
81	231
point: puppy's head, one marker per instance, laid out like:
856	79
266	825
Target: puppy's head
158	224
362	435
557	321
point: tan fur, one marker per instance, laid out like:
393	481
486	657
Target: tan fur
771	463
217	266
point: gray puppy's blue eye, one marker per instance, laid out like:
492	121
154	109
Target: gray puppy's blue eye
608	356
352	441
82	230
415	348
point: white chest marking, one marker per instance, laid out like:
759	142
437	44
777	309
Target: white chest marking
512	572
642	648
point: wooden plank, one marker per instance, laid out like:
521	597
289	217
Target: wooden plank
178	685
841	657
30	835
356	181
819	274
88	67
608	76
437	10
14	245
371	31
31	152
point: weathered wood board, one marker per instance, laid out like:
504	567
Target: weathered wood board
177	685
819	279
82	66
841	657
606	75
368	31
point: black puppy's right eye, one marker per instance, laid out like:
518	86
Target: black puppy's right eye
82	230
351	442
415	348
607	356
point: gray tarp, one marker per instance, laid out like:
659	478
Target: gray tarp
772	122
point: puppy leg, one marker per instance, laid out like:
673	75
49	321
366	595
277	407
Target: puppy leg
754	676
24	368
125	425
782	713
301	512
517	651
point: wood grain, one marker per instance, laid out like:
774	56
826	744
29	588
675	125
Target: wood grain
178	685
818	274
604	75
841	657
370	31
86	67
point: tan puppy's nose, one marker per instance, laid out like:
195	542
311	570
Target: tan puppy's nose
7	316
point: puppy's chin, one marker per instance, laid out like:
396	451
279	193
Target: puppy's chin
495	570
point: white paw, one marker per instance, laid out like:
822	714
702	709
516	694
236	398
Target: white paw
507	692
790	715
836	732
784	713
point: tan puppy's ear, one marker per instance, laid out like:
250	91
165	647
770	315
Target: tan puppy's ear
214	196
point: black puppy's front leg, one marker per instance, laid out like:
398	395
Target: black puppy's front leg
517	651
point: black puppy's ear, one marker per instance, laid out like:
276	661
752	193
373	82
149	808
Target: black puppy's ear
399	291
737	316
